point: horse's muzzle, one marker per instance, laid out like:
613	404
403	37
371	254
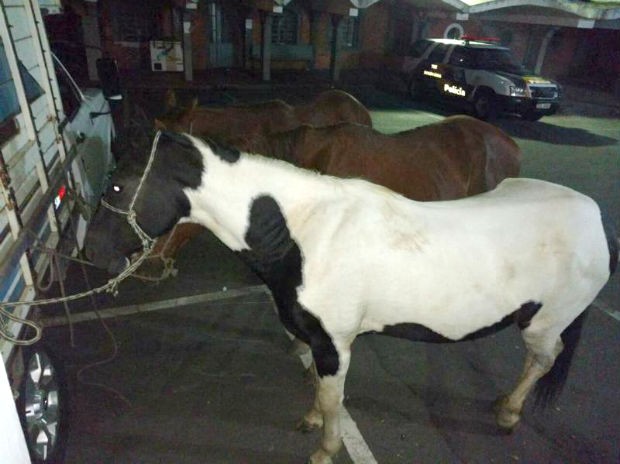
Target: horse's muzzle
113	264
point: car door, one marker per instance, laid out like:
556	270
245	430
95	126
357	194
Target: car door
455	84
417	52
89	129
432	67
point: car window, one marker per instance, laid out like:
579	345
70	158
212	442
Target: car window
462	57
499	60
438	54
8	95
68	93
419	47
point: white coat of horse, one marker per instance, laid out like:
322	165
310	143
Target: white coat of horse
344	257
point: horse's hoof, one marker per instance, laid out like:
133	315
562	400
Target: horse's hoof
305	426
507	419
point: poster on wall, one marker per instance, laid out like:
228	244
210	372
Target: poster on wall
166	55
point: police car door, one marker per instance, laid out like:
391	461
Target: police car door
433	68
454	83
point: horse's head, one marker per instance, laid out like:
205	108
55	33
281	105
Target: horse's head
176	118
156	196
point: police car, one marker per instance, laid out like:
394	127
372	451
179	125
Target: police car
480	73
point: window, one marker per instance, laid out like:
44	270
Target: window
462	56
8	95
498	60
220	29
284	28
438	54
505	37
349	31
132	21
454	31
418	48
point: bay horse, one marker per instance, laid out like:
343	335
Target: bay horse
344	257
457	157
259	119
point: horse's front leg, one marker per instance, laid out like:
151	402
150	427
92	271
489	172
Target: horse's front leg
329	396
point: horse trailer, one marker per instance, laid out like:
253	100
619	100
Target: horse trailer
55	157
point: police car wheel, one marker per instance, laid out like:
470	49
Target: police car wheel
42	406
484	105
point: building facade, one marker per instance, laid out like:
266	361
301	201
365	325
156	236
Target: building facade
579	42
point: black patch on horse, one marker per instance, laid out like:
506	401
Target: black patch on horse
179	160
419	333
277	260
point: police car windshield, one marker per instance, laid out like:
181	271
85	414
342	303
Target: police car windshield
498	60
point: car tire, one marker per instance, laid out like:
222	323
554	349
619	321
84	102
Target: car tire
43	406
484	105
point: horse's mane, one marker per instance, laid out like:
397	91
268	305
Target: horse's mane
278	145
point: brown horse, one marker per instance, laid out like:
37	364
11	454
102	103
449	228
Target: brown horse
456	157
261	119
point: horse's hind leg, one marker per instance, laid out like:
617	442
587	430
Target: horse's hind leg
541	354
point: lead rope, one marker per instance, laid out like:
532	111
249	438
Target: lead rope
111	286
168	269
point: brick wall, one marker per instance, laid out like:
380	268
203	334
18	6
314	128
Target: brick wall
386	29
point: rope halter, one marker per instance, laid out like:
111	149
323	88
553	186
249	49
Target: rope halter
147	241
112	284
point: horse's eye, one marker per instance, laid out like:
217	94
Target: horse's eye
117	188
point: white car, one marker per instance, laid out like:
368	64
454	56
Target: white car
89	115
82	130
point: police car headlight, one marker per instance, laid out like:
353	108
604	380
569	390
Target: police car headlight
517	91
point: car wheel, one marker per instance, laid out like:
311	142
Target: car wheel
484	105
43	406
531	116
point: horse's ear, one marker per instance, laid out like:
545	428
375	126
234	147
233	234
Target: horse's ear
159	125
170	99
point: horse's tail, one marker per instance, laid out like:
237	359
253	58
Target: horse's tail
550	385
613	243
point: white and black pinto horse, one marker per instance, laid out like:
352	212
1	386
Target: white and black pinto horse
344	257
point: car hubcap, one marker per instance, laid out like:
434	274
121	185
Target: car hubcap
482	106
41	405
